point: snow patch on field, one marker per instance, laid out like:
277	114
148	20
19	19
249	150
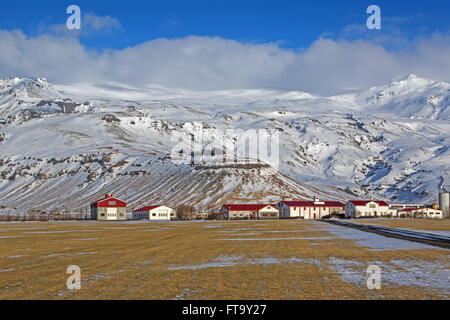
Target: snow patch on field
48	232
18	229
10	237
117	228
346	270
231	261
373	241
287	231
426	274
53	255
17	256
420	273
277	239
219	262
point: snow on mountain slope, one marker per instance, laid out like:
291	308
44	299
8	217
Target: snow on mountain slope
24	99
57	184
28	89
411	97
67	147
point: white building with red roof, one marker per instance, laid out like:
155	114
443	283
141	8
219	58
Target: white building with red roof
249	211
109	208
368	208
426	213
155	212
315	209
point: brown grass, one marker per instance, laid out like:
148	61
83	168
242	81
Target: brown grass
132	261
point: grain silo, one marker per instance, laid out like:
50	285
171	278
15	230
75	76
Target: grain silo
444	202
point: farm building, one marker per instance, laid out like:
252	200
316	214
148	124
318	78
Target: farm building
400	206
249	211
368	208
157	212
428	213
109	208
315	209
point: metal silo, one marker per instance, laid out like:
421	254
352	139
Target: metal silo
444	202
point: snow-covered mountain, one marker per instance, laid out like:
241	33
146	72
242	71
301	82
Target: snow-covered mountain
412	98
63	146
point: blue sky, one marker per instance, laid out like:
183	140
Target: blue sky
291	23
316	46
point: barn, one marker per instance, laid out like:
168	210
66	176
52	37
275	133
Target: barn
109	208
315	209
156	212
368	208
249	211
426	213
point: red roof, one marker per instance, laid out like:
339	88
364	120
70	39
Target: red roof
109	202
413	209
247	207
148	208
313	204
364	202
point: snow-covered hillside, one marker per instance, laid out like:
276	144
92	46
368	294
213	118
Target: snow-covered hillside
412	98
63	146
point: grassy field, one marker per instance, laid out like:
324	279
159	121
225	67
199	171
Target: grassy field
414	224
214	260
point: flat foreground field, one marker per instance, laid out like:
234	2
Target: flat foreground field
215	260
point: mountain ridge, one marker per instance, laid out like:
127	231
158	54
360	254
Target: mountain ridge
340	147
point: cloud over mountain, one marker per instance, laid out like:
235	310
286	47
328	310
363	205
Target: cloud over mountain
327	66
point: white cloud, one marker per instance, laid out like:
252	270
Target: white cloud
91	25
100	23
204	63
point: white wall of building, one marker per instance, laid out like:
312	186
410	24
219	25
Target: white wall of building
370	209
267	210
249	214
426	213
162	213
308	212
159	213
